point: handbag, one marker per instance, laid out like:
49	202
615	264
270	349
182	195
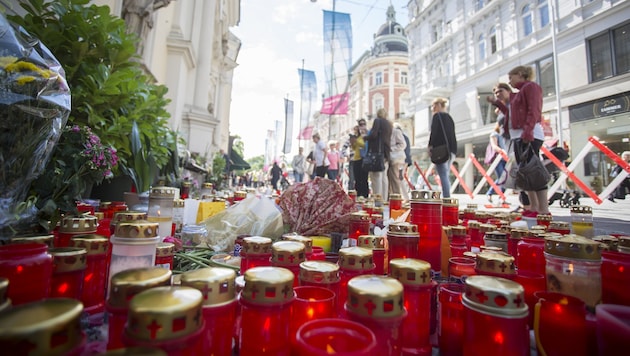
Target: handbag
440	154
531	174
374	161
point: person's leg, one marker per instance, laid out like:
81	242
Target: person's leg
361	179
385	183
392	178
442	170
543	203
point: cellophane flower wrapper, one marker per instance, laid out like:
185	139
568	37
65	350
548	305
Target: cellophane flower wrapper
34	108
317	207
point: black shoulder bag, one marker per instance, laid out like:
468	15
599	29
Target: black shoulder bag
440	154
375	161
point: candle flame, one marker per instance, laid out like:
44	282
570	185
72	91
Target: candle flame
310	312
564	301
330	350
570	268
499	338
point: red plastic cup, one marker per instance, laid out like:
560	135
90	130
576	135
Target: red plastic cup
339	337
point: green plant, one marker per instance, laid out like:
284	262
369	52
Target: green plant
110	90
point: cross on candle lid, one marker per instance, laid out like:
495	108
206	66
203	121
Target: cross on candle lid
375	297
287	253
495	296
268	285
356	258
319	272
216	284
410	271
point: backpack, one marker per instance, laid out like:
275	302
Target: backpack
490	154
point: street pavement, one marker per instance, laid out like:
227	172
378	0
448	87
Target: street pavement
608	217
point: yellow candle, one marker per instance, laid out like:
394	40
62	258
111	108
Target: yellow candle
322	241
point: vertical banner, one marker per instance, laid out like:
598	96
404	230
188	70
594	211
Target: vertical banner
308	96
337	52
288	125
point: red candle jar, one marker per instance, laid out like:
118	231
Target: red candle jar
376	217
288	254
103	224
320	274
118	206
359	225
426	213
543	219
611	242
415	276
217	287
29	268
125	216
495	317
495	263
368	207
240	195
482	216
469	213
515	237
560	325
531	254
84	208
561	227
532	283
105	207
164	255
324	337
168	318
460	268
352	194
32	239
377	245
125	285
5	302
68	272
75	225
48	327
476	239
307	241
450	211
353	261
496	239
318	254
310	303
94	282
615	278
377	302
255	252
457	240
402	240
266	311
184	193
613	329
395	202
483	230
451	328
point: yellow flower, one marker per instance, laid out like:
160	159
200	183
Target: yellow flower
5	61
23	66
25	79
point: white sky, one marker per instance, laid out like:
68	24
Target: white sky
276	36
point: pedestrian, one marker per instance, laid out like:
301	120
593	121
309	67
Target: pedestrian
624	187
347	156
496	140
298	164
360	175
378	140
320	156
396	161
333	160
443	133
523	121
275	172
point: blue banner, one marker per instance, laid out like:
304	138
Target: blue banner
337	51
308	96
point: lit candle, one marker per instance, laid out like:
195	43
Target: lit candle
93	296
68	272
426	213
359	225
451	328
560	324
450	211
353	262
378	246
310	303
326	337
615	278
403	240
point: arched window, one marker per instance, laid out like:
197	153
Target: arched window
481	45
493	40
526	16
543	12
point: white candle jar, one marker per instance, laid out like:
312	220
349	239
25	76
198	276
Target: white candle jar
161	206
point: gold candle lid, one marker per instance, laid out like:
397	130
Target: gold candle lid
240	194
624	244
99	215
447	230
187	184
178	203
5	302
403	229
216	284
519	233
495	236
560	225
28	239
490	248
611	242
136	351
375	297
574	247
515	216
410	271
94	244
104	205
164	249
458	230
323	272
450	202
164	313
426	196
79	224
495	296
127	283
257	245
163	192
581	209
497	262
47	327
506	229
395	196
469	211
539	228
374	242
307	241
287	253
68	259
352	192
268	285
471	254
544	217
487	227
482	215
360	216
356	259
472	206
474	224
207	185
136	229
128	215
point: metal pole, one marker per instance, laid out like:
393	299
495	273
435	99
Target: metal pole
556	68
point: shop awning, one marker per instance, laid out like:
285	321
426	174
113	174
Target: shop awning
237	162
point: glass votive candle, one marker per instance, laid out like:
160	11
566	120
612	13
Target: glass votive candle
496	239
310	303
126	216
377	302
255	252
516	235
476	239
613	328
217	286
377	244
495	263
611	242
69	265
532	283
193	235
460	268
322	274
168	318
184	193
561	227
402	241
531	254
75	225
207	188
161	204
266	311
426	214
48	327
324	337
395	202
353	261
415	276
495	317
125	285
615	278
29	268
134	245
451	326
450	211
93	295
359	225
352	194
544	219
178	215
582	220
560	324
289	255
164	253
307	241
573	267
318	254
457	240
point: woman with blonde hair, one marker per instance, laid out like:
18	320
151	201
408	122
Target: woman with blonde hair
379	140
443	133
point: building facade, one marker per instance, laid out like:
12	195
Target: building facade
579	50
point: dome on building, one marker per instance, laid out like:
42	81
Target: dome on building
391	36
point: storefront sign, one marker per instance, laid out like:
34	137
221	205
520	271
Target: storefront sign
612	105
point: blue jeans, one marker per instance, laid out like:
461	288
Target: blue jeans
498	170
442	170
299	177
